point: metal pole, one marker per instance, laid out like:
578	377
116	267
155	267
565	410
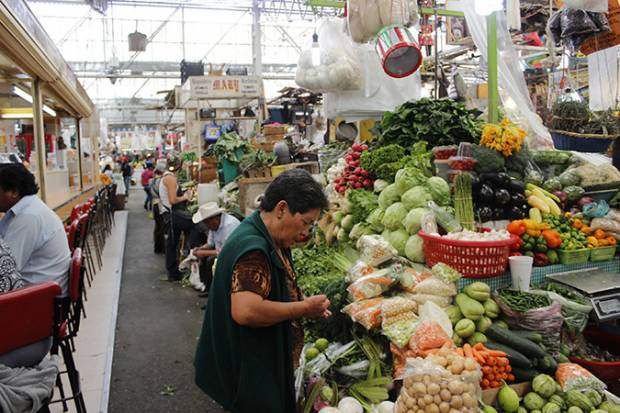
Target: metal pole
78	143
257	54
39	135
183	30
492	67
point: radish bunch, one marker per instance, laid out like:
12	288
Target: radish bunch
353	176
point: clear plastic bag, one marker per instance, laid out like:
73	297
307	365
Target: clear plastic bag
366	312
375	250
436	286
399	327
444	218
429	224
412	275
605	224
574	377
439	300
427	383
575	315
372	285
358	270
339	68
367	17
446	273
431	312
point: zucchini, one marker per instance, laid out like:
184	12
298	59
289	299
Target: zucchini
523	345
529	335
524	375
516	359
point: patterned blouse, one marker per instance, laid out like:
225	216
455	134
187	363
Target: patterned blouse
252	273
10	279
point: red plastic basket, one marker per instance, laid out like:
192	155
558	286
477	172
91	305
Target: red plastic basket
473	259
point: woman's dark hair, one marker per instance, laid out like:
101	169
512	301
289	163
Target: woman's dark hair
107	168
16	177
300	191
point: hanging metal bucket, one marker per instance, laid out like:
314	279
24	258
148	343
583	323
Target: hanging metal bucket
399	52
137	42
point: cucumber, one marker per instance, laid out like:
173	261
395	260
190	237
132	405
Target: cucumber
516	359
529	335
524	375
523	345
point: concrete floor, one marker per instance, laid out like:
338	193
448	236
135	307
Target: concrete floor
157	331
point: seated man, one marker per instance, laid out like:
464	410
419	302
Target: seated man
220	225
32	231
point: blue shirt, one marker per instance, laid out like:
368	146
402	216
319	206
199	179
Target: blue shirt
37	239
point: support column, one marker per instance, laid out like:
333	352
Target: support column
39	135
183	30
78	144
493	69
257	54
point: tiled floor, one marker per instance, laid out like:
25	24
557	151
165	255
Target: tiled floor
95	342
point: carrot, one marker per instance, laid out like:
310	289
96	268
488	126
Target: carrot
487	370
479	358
486	383
511	377
491	361
495	384
479	346
426	353
459	351
496	370
508	368
496	353
467	351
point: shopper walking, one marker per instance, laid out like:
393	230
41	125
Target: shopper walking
33	232
220	226
127	172
180	222
161	226
251	337
145	179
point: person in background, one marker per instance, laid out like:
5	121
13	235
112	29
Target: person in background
145	179
251	338
174	201
33	232
127	171
107	177
10	278
160	229
220	226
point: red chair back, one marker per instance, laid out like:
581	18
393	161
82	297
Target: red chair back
75	213
75	276
27	315
84	222
73	233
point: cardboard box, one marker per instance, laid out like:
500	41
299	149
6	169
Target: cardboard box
490	396
249	190
275	129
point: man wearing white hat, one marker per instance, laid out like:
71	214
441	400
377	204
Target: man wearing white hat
220	225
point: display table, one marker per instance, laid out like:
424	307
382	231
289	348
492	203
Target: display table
539	274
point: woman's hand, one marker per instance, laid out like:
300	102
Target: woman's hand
317	306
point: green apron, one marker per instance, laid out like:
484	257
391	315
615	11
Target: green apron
246	369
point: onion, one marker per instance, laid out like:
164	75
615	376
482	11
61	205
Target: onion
350	405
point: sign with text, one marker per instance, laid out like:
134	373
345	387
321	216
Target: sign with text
225	87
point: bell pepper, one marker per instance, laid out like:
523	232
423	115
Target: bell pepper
529	254
586	230
552	238
515	254
533	233
517	245
517	227
592	241
553	257
611	241
599	234
577	223
541	259
602	242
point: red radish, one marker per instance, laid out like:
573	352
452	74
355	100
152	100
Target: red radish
355	155
367	183
358	171
348	158
356	147
364	147
357	185
364	173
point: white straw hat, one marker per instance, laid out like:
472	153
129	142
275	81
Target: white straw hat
208	210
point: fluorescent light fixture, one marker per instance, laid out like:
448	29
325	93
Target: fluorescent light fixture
16	116
28	99
486	7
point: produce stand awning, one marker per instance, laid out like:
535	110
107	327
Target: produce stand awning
25	42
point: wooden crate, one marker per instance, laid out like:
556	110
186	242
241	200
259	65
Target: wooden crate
258	173
266	146
249	189
275	129
311	167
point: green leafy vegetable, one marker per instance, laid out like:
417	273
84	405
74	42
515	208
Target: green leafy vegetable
362	204
230	146
487	159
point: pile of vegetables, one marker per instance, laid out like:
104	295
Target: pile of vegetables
473	313
498	196
495	365
353	176
439	122
384	162
231	147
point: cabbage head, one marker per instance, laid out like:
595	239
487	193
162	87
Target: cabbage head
380	185
387	235
440	190
414	250
409	177
416	197
360	229
398	239
394	216
388	196
413	220
375	219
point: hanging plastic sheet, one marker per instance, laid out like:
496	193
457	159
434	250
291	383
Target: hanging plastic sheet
603	78
517	103
380	92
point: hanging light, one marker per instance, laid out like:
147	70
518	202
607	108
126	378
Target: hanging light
486	7
316	51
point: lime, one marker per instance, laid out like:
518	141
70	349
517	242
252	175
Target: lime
311	353
321	344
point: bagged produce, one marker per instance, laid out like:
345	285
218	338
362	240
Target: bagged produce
445	272
339	67
436	286
375	250
367	17
606	224
411	275
366	312
576	314
444	382
572	376
546	320
399	320
430	312
441	301
358	270
372	285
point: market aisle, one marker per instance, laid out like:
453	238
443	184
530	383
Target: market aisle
157	330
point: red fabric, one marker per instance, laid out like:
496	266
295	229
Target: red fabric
27	315
75	275
73	229
146	176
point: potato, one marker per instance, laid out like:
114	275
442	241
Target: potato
440	361
437	399
426	379
418	389
410	403
445	395
433	388
431	408
468	400
456	387
456	402
457	367
444	407
428	399
470	364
